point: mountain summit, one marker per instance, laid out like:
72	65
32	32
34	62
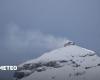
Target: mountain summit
70	62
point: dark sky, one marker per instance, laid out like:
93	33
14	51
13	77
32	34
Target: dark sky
28	28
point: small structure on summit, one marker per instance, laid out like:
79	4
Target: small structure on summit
69	43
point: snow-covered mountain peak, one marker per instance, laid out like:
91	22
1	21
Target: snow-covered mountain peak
64	53
74	59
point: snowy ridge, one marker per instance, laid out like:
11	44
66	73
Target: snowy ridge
67	63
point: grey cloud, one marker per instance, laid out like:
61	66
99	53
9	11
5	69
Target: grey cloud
19	40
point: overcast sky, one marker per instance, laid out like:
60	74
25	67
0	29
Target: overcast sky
28	28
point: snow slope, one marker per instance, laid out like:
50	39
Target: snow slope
67	63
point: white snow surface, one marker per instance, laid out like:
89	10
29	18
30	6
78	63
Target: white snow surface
75	63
